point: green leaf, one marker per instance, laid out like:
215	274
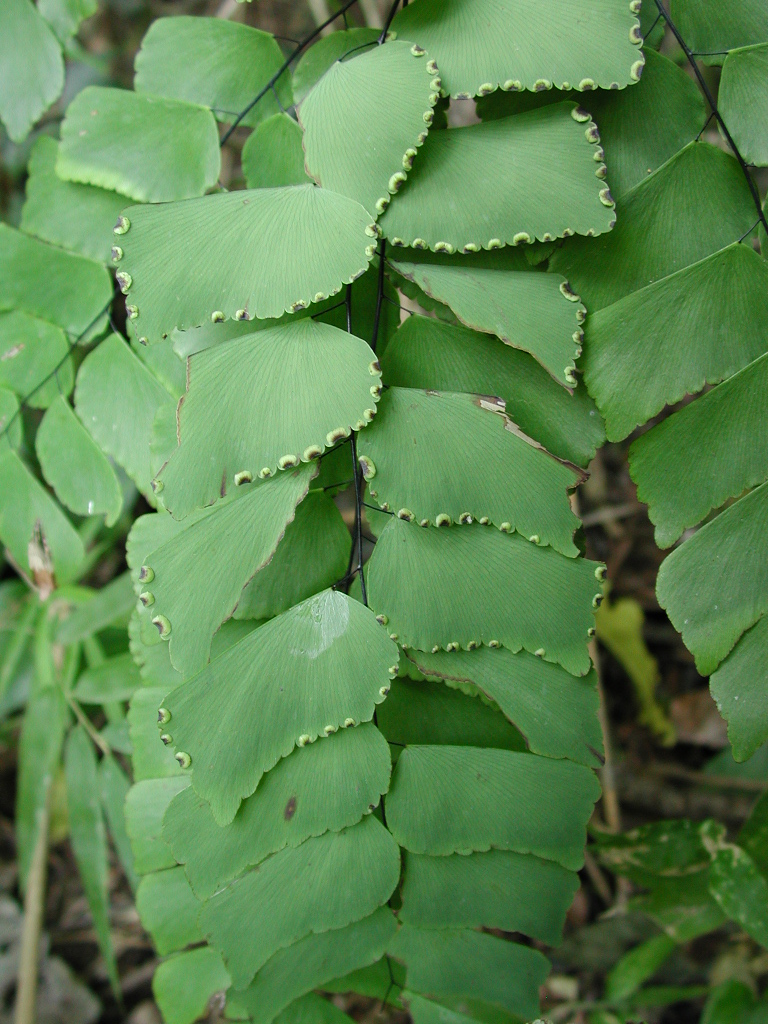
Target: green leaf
113	789
681	492
638	251
145	805
257	253
315	61
683	907
735	882
424	1011
184	984
312	555
725	559
88	838
458	962
34	359
145	147
234	720
743	100
25	504
555	711
589	44
150	653
432	453
288	896
667	858
151	759
117	398
382	980
426	353
652	26
548	604
429	712
315	961
739	689
76	217
539	181
115	734
728	1003
115	679
620	629
69	290
215	63
389	86
10	421
240	421
64	16
168	910
446	799
112	603
165	364
753	834
42	735
636	361
637	966
640	128
273	154
497	889
75	466
669	848
365	291
312	1009
721	26
329	311
500	294
32	74
193	581
321	787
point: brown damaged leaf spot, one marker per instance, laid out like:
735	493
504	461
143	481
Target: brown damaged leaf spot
290	809
490	403
596	754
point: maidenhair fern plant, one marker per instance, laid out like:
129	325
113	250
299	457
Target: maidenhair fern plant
355	775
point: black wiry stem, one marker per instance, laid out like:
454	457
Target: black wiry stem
388	22
392	984
379	294
713	105
358	541
71	346
359	519
284	67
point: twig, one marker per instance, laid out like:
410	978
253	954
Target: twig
610	513
283	68
86	723
371	13
321	12
26	992
598	879
675	771
388	22
611	807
